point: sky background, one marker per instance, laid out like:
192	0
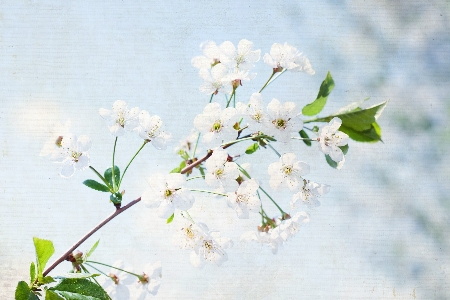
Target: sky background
381	233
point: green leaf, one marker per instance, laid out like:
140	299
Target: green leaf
50	295
202	171
176	170
252	148
96	185
316	107
92	249
331	162
371	135
46	279
344	149
23	292
44	250
82	289
170	219
108	175
304	135
116	198
32	272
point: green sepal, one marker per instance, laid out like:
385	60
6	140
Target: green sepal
44	250
23	292
82	289
304	135
89	253
170	219
316	107
32	272
96	185
252	149
108	175
202	171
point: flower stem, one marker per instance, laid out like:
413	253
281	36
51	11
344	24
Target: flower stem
196	177
106	265
210	99
209	192
242	139
231	96
272	79
101	177
115	188
268	144
267	82
196	144
100	271
303	139
145	142
279	208
90	233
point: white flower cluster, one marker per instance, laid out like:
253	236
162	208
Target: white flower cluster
122	283
121	119
278	235
207	246
224	67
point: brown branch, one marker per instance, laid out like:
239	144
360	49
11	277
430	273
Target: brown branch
84	238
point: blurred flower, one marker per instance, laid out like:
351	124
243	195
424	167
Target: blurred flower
309	193
55	137
73	154
220	173
243	58
330	139
282	120
120	118
274	237
287	57
167	193
149	282
118	282
287	171
244	199
211	56
188	143
216	124
150	130
216	80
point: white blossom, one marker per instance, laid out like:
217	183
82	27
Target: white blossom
330	139
167	193
120	118
150	130
220	173
287	172
118	282
216	125
210	58
188	143
283	120
245	199
54	138
254	110
215	80
207	246
149	282
243	58
287	57
309	193
73	154
275	237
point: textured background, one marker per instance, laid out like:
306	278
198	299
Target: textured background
381	233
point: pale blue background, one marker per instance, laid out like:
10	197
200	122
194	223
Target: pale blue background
381	233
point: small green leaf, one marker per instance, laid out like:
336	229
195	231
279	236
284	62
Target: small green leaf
96	185
92	249
50	295
344	149
44	250
116	198
176	170
46	279
79	289
108	175
316	107
23	292
331	162
170	219
252	148
32	272
304	135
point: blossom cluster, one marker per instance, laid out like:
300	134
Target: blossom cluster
122	283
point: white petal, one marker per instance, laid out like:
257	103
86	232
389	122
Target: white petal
82	163
165	210
67	170
119	106
196	260
104	113
150	199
